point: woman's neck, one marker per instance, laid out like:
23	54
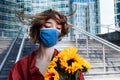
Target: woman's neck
44	56
45	52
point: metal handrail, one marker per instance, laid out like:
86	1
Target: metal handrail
106	26
102	41
22	44
21	48
12	45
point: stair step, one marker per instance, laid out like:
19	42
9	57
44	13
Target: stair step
101	69
103	76
3	77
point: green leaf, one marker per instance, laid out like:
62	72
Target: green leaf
84	69
76	75
63	76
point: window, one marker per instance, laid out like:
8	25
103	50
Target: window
27	9
20	0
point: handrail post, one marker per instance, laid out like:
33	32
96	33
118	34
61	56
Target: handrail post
76	37
87	45
104	64
76	40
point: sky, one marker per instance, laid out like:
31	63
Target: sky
107	14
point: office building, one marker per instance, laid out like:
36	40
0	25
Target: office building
86	16
117	12
8	26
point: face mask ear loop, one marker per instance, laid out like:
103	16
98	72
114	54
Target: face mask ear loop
59	37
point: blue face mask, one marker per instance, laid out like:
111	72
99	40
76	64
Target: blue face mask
49	36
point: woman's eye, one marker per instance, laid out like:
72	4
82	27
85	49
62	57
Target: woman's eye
47	26
59	28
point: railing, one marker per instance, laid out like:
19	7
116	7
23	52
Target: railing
22	44
21	47
12	45
102	41
109	33
108	27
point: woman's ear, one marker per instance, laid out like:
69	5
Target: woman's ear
68	26
67	30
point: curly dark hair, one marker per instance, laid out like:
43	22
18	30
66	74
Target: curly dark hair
40	20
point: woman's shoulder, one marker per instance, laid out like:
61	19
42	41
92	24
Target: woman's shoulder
21	67
26	60
28	57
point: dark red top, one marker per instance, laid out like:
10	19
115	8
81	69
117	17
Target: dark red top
25	69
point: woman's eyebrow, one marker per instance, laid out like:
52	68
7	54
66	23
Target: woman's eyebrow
48	22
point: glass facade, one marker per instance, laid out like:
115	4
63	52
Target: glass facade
36	6
8	26
117	12
61	6
86	16
32	7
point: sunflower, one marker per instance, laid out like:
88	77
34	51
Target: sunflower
66	63
51	74
71	61
85	63
52	64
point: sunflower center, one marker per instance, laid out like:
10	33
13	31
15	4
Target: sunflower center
70	62
52	78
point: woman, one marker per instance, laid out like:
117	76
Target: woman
47	29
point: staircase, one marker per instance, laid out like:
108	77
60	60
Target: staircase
113	37
29	47
95	57
10	60
4	46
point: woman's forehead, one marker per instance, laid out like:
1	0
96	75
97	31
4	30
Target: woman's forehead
56	18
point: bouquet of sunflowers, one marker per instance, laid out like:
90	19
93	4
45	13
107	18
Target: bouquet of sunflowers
66	65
